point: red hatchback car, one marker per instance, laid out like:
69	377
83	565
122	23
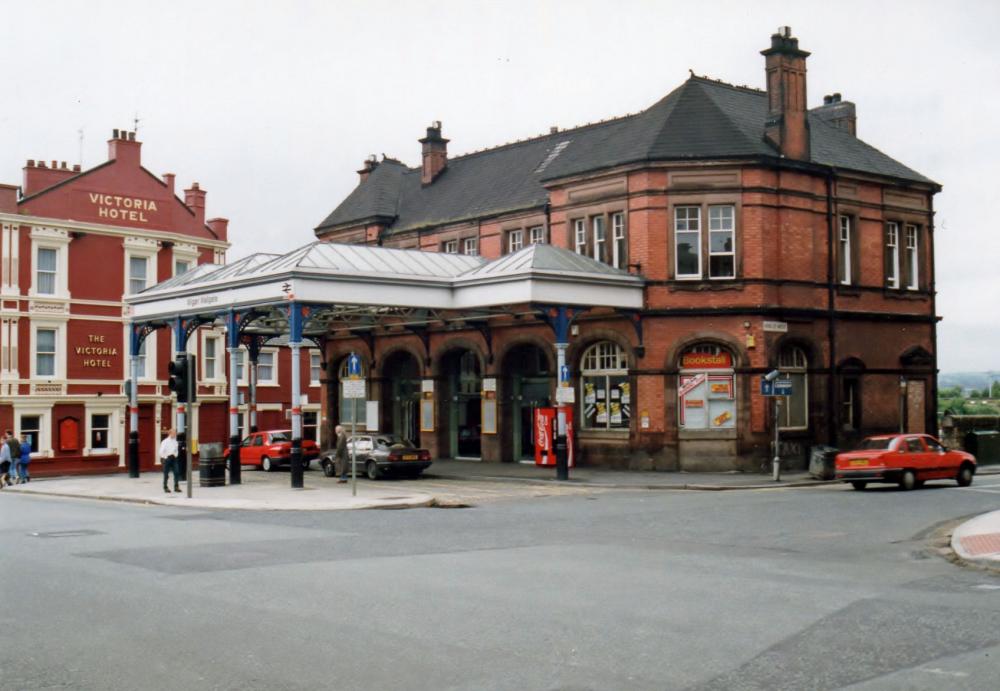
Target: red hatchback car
908	460
270	449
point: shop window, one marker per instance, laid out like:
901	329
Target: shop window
100	429
45	271
346	404
45	352
912	258
892	254
795	410
706	389
310	425
536	235
606	395
31	426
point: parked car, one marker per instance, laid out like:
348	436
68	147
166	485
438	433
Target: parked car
381	454
908	460
271	449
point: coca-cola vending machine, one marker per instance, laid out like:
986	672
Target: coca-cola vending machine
545	436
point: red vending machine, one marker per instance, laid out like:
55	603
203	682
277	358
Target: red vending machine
545	436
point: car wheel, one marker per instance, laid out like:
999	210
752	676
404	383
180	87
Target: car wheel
859	485
328	468
266	465
371	469
907	481
964	477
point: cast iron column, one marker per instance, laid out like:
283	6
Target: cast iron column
234	419
133	411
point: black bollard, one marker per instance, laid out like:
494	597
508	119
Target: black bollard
133	453
562	458
234	460
298	475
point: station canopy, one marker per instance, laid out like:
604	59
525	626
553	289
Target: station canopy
350	287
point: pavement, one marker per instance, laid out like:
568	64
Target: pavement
977	541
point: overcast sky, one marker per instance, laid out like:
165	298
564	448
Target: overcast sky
273	106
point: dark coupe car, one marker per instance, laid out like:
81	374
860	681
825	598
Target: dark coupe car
381	454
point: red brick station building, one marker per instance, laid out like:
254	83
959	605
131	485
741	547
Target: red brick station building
759	234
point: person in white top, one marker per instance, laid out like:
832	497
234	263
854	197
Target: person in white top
168	457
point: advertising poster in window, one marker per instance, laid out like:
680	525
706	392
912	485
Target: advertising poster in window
707	401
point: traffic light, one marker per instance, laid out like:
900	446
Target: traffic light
178	382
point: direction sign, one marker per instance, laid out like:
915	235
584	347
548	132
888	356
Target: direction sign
353	366
778	387
564	375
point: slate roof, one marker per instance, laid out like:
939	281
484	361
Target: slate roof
702	119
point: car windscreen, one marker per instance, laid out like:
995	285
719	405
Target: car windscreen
875	444
280	436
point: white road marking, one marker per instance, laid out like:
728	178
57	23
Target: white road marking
986	586
980	489
944	672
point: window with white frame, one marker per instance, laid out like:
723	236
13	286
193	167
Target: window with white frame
619	247
721	241
242	366
470	246
580	236
451	247
315	368
687	241
46	352
850	404
100	432
143	373
536	235
515	240
210	358
844	241
31	426
892	254
600	239
181	266
310	425
138	274
46	262
794	413
606	395
912	258
267	371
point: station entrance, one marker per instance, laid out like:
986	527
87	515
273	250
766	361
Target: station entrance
529	380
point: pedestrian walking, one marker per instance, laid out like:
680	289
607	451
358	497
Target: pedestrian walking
340	455
168	458
5	461
15	457
25	460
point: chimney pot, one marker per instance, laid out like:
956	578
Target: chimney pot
836	97
55	164
114	134
31	163
131	136
554	129
76	168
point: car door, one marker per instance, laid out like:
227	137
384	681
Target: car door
917	457
256	446
940	464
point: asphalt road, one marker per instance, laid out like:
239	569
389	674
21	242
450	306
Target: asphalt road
783	589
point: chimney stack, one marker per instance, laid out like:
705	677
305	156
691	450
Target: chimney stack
123	148
839	113
195	199
435	151
168	178
787	126
38	176
8	199
371	163
219	226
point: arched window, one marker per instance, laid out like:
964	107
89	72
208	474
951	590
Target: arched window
793	363
706	388
346	404
606	393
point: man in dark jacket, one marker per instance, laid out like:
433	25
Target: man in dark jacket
15	456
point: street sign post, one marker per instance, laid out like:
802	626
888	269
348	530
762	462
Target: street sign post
354	388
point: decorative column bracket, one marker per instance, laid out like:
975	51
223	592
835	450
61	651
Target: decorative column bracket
635	318
424	334
483	327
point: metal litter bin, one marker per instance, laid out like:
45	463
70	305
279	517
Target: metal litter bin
984	444
211	466
821	462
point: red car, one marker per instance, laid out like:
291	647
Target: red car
271	449
908	460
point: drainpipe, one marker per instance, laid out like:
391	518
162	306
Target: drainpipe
931	286
831	324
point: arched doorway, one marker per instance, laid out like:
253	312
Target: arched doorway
462	409
401	395
528	382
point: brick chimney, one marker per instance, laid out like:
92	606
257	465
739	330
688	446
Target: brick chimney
8	199
371	163
123	147
435	150
838	113
786	128
219	226
169	179
38	176
195	199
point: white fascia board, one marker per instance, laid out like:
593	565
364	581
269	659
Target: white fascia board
377	293
203	301
560	292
